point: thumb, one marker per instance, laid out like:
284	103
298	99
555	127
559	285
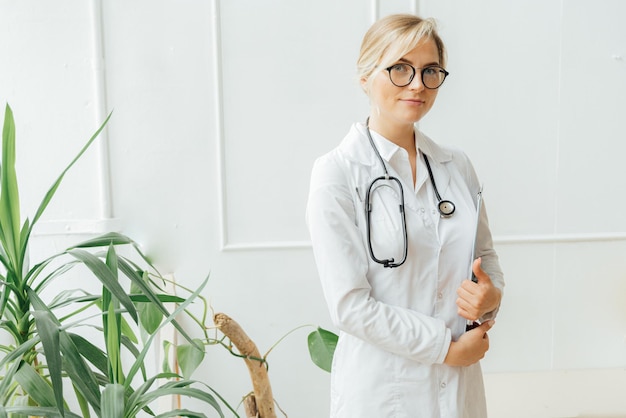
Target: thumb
486	326
479	273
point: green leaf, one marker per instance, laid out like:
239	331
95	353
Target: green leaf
143	388
184	391
9	195
90	352
11	357
181	413
150	317
166	357
48	197
139	362
82	403
55	185
189	357
48	330
110	238
113	401
36	411
113	333
20	400
127	331
322	345
161	297
79	372
35	385
141	284
113	344
108	279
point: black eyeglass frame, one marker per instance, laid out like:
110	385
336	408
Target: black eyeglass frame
422	71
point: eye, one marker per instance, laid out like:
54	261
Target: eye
401	68
431	71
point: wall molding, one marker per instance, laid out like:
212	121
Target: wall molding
501	240
225	245
560	238
105	223
76	227
219	123
100	108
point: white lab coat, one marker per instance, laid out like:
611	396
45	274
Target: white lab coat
396	324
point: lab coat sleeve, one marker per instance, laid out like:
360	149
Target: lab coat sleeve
489	258
342	262
484	243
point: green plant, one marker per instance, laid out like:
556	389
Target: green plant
48	355
322	345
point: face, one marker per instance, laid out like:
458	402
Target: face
394	107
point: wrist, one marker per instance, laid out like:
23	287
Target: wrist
450	357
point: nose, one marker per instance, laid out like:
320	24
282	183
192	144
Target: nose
416	83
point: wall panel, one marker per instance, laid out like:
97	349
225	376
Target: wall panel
499	108
48	79
289	94
593	101
221	108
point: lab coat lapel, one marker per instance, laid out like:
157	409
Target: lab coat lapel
438	157
357	147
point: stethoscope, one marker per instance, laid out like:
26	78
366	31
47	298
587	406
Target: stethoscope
446	208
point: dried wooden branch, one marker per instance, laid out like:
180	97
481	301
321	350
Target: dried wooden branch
249	406
256	366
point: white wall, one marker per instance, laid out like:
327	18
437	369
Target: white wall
220	107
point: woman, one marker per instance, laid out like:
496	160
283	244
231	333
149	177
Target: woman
393	220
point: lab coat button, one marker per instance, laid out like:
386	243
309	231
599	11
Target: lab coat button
440	295
443	385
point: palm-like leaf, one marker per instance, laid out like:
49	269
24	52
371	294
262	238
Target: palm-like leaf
45	352
9	195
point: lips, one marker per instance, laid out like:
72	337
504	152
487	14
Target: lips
413	101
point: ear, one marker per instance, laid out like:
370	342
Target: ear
364	84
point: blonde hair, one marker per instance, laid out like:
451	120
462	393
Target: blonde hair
392	37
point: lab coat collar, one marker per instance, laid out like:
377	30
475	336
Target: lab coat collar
359	149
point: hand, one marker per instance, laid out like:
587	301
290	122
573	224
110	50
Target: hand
476	299
470	347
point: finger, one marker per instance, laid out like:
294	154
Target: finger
486	326
467	312
466	290
470	290
472	295
478	271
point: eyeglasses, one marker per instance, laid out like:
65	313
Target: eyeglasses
402	75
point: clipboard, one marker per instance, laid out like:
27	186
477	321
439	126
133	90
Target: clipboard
469	325
479	205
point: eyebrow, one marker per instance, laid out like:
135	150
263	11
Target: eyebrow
404	60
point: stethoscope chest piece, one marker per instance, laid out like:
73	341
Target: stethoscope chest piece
446	208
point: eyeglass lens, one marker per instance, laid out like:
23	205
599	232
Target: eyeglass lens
402	74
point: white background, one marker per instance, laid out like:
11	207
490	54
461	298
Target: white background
220	108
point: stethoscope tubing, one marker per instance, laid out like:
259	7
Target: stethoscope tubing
388	262
445	207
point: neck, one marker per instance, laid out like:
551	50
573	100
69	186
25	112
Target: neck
402	135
